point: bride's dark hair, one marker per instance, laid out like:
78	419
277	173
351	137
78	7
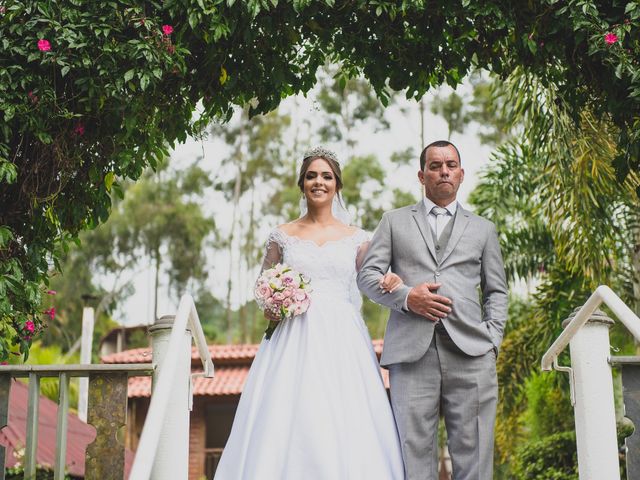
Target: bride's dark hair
335	168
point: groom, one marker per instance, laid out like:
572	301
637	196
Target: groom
446	321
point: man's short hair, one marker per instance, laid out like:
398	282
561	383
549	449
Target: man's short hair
437	143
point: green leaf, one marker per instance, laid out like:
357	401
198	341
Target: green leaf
64	70
108	180
129	75
8	172
5	236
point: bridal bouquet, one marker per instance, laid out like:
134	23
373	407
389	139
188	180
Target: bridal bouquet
283	292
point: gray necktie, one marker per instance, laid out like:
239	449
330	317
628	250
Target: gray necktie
440	214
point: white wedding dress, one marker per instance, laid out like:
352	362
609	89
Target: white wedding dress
314	406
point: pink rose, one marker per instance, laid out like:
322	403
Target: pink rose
44	45
287	302
288	292
263	291
51	292
51	312
79	129
610	38
167	29
29	326
288	277
278	297
300	295
4	363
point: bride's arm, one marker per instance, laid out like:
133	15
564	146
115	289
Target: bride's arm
362	252
389	281
272	256
376	263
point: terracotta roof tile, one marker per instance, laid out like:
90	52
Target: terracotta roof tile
226	381
232	364
221	354
79	434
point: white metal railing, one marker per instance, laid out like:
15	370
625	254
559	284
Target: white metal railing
603	294
63	372
592	383
167	384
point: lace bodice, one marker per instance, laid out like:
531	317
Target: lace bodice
331	267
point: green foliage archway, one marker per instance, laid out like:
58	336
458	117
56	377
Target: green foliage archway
94	92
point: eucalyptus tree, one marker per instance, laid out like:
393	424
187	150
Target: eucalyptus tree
452	109
256	155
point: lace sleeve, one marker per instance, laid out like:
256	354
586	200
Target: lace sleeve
362	239
273	249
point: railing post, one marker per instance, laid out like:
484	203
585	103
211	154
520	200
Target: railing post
172	455
5	390
85	358
594	408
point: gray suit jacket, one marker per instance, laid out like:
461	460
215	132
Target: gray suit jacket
470	270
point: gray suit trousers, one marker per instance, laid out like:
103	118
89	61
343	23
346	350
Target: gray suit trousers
466	389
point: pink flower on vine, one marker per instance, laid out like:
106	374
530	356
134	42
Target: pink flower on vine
167	29
33	97
610	38
51	292
79	129
44	45
51	313
2	10
29	326
4	363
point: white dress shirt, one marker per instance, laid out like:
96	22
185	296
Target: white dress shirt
431	218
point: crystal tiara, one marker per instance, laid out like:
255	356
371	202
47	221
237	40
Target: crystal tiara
321	152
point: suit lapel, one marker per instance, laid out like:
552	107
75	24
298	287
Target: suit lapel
460	222
419	212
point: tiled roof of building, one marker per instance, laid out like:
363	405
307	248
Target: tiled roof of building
221	354
227	381
79	434
231	362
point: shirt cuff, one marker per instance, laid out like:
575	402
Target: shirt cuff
405	305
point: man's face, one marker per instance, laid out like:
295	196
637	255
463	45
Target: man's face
442	175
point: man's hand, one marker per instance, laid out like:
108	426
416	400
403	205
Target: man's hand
423	301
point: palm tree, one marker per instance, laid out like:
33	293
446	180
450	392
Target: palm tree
566	224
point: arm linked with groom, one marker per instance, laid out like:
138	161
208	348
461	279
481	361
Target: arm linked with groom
446	322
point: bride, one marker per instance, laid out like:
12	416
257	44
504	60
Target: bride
314	405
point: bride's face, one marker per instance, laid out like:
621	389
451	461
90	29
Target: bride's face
319	183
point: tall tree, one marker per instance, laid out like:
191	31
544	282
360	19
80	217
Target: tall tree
452	109
563	220
256	154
